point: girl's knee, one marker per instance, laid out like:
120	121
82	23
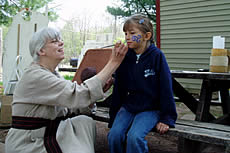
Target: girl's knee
114	134
133	137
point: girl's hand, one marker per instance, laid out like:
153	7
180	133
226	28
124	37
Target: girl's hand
162	128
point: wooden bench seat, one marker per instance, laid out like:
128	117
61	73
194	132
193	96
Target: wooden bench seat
192	132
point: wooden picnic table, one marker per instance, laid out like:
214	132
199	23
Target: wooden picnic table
211	82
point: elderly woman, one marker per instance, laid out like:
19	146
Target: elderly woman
42	99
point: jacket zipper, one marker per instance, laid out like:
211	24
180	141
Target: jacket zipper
137	61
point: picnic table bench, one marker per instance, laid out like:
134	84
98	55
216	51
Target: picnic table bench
189	130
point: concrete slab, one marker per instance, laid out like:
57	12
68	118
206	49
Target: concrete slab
188	117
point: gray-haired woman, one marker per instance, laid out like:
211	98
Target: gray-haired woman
42	98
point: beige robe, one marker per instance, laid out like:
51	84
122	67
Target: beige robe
43	94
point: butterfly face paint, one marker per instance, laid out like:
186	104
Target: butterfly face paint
136	38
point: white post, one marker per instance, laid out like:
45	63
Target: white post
1	54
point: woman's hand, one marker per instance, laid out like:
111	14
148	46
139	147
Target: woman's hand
118	52
162	128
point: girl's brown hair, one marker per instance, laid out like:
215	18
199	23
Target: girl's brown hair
141	22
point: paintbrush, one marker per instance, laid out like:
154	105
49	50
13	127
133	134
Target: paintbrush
108	46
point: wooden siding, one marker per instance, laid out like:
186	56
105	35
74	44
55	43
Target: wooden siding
187	28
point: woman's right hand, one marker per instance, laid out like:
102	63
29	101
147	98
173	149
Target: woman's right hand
118	52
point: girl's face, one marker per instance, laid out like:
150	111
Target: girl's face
135	39
54	49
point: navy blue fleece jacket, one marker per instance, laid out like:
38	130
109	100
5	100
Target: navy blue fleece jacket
143	84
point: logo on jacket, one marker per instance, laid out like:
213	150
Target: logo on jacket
149	72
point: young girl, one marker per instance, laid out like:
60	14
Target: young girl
142	94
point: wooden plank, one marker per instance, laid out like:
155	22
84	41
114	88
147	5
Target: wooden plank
204	125
18	40
103	114
200	134
200	75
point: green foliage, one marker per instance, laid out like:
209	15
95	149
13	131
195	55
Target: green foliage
75	33
130	7
1	88
9	8
72	42
119	39
68	77
4	31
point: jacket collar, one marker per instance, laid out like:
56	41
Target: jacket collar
131	53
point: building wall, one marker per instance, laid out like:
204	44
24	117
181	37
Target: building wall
187	28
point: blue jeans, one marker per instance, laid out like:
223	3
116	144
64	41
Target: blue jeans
135	127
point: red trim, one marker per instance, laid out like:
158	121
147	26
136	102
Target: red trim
30	123
158	24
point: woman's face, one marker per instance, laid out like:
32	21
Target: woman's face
54	49
135	38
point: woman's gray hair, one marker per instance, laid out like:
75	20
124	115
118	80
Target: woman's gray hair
39	39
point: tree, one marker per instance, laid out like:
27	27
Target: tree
9	8
72	42
81	28
129	7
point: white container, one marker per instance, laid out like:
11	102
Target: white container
218	42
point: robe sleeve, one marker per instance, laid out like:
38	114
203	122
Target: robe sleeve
39	86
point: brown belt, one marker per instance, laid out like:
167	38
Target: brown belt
32	123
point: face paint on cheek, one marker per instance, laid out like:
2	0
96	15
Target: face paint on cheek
136	38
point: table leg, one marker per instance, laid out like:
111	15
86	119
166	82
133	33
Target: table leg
184	96
225	100
203	108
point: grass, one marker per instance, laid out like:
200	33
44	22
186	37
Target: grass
1	88
68	77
